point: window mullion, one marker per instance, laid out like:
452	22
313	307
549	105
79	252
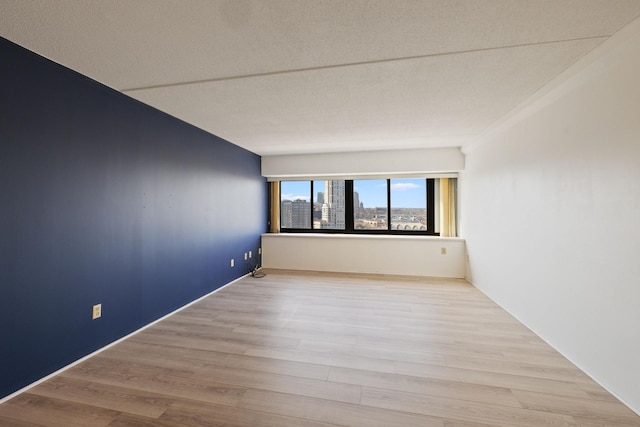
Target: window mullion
431	221
349	206
312	203
388	205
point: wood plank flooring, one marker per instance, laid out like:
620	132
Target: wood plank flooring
312	349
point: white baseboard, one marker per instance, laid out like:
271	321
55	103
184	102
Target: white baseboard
72	364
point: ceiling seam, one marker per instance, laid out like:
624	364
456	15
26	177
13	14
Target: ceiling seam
353	64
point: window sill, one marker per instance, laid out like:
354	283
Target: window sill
360	236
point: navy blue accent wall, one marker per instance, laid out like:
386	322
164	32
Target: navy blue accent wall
106	200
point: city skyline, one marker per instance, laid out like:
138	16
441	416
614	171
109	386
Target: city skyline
405	193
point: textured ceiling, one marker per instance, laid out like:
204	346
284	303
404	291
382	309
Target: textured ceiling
306	76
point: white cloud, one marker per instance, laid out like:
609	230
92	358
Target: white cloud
405	186
293	197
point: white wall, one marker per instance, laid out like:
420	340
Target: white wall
551	217
401	255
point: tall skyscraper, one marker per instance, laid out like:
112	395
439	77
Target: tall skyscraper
333	208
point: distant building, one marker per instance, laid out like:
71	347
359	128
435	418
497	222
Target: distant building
358	206
295	214
333	208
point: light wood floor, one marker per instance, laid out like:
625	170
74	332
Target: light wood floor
305	349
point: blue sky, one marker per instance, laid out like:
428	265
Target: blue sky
405	193
293	190
372	192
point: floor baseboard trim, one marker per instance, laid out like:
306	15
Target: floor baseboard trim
88	356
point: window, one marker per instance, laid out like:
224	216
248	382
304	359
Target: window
408	205
370	204
329	208
379	206
295	205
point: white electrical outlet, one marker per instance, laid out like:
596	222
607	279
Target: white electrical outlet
259	251
97	311
245	256
232	262
250	254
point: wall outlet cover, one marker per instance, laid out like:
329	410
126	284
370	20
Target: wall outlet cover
97	311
